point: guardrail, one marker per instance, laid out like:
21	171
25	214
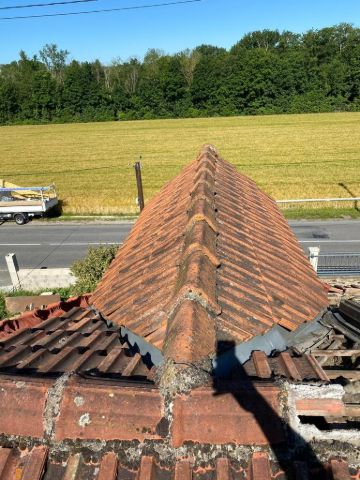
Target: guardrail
303	200
334	264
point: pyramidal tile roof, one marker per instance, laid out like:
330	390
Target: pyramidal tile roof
210	258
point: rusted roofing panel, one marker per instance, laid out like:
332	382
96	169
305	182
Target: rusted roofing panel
210	258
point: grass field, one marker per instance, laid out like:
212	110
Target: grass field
289	156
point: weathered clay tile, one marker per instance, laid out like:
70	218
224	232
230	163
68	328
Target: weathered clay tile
35	464
198	416
22	405
210	237
260	466
38	464
108	467
34	317
108	412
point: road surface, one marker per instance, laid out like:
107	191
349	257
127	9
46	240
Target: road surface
59	244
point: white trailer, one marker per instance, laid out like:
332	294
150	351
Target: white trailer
24	203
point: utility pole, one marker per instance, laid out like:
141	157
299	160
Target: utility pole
137	167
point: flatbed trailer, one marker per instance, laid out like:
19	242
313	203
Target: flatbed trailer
21	204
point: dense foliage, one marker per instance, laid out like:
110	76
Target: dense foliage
265	72
89	270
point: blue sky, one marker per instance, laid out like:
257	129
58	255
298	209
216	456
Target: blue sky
172	28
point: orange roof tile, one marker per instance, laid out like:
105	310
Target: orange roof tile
210	258
40	463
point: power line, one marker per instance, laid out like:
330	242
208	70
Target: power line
65	14
51	4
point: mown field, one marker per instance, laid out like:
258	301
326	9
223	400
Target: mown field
289	156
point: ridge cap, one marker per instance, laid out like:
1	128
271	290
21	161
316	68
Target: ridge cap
196	277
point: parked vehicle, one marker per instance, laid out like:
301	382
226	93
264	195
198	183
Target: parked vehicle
21	204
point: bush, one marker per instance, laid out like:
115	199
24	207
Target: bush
90	269
3	312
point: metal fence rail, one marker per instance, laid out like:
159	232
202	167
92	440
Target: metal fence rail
310	200
338	263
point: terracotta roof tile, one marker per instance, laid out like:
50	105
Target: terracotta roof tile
32	318
79	342
198	416
211	257
76	341
22	404
39	463
73	407
99	411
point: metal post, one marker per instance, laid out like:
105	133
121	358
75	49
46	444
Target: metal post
314	257
137	167
13	268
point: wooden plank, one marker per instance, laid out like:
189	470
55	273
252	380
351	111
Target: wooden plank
22	303
335	353
131	366
352	410
335	344
317	368
320	407
352	374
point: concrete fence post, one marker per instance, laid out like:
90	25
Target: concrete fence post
314	257
13	267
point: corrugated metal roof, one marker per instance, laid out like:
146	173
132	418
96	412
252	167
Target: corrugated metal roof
210	258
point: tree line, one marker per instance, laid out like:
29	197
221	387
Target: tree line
265	72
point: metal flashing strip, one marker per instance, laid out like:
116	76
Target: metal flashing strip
276	339
145	348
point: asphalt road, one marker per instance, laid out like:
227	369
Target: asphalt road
59	244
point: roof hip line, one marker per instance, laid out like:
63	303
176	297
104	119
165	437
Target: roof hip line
194	304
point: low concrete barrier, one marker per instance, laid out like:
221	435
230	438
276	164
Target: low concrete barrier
45	278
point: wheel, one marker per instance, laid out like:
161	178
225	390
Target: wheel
20	219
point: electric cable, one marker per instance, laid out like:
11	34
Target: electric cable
138	7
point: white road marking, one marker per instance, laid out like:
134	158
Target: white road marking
20	244
329	241
72	244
